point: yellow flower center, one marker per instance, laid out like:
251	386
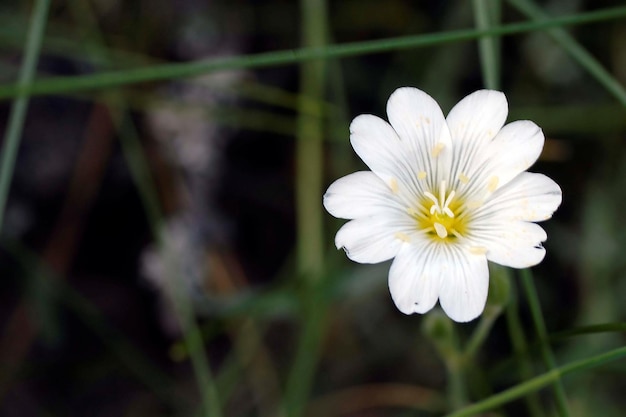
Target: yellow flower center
442	218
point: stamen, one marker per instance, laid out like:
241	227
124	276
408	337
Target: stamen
432	197
449	200
448	211
442	192
441	230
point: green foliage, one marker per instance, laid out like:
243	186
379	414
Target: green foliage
322	338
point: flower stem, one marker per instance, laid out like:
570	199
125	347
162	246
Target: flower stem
538	382
481	332
520	348
540	327
17	116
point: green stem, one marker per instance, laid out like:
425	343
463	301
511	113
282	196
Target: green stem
457	390
310	242
538	382
485	12
140	172
56	85
576	51
520	348
481	332
546	350
17	115
619	327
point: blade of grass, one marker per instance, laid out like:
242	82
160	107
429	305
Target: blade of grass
486	13
310	241
140	171
576	51
546	350
619	327
128	355
55	85
520	350
539	382
17	115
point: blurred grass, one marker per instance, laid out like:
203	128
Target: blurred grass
174	71
345	351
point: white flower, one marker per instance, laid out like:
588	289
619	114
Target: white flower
444	196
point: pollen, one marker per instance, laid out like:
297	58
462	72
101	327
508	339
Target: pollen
437	149
463	178
402	236
493	184
421	175
440	215
393	184
478	250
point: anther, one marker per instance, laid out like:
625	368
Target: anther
437	149
403	237
393	184
493	184
441	230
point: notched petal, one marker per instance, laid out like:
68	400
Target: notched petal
360	194
478	117
378	145
464	285
413	279
369	240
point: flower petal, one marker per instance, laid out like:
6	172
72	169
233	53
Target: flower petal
378	145
515	149
371	240
414	278
478	117
464	283
529	196
421	126
514	244
473	123
360	194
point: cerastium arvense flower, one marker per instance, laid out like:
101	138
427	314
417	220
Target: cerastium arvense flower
443	197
